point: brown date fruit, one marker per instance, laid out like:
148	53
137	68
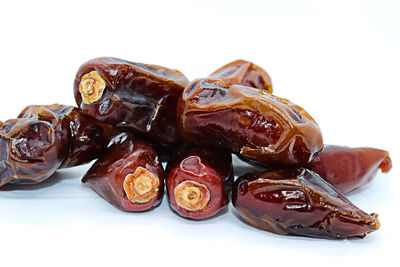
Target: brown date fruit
31	149
299	202
88	137
248	121
128	175
132	96
349	168
245	73
199	180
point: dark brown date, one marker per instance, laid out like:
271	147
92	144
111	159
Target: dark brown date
130	95
245	73
299	202
128	175
88	136
248	121
199	181
31	149
349	168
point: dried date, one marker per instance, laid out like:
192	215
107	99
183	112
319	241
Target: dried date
132	96
199	181
299	202
128	175
32	149
245	73
349	168
248	121
88	137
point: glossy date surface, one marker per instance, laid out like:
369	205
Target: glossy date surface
248	121
129	95
349	168
199	180
88	137
245	73
299	202
128	175
31	149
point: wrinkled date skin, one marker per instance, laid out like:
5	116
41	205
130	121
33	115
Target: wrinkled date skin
128	175
88	137
299	202
248	121
199	181
349	168
130	95
31	149
245	73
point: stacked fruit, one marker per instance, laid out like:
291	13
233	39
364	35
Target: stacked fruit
130	116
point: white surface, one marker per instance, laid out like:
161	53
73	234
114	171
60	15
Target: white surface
338	59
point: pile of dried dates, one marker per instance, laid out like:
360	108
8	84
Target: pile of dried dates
131	116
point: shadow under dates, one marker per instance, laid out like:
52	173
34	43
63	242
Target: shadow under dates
223	211
56	178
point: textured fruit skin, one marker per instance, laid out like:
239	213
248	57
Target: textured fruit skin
125	154
138	97
88	137
243	72
247	121
205	165
349	168
299	202
32	149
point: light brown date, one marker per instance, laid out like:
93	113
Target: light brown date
248	121
245	73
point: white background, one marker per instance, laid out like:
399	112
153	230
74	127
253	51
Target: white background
340	60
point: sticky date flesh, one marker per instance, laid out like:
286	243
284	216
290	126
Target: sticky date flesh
132	96
128	175
245	73
299	202
199	180
349	168
248	121
46	137
31	149
88	137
